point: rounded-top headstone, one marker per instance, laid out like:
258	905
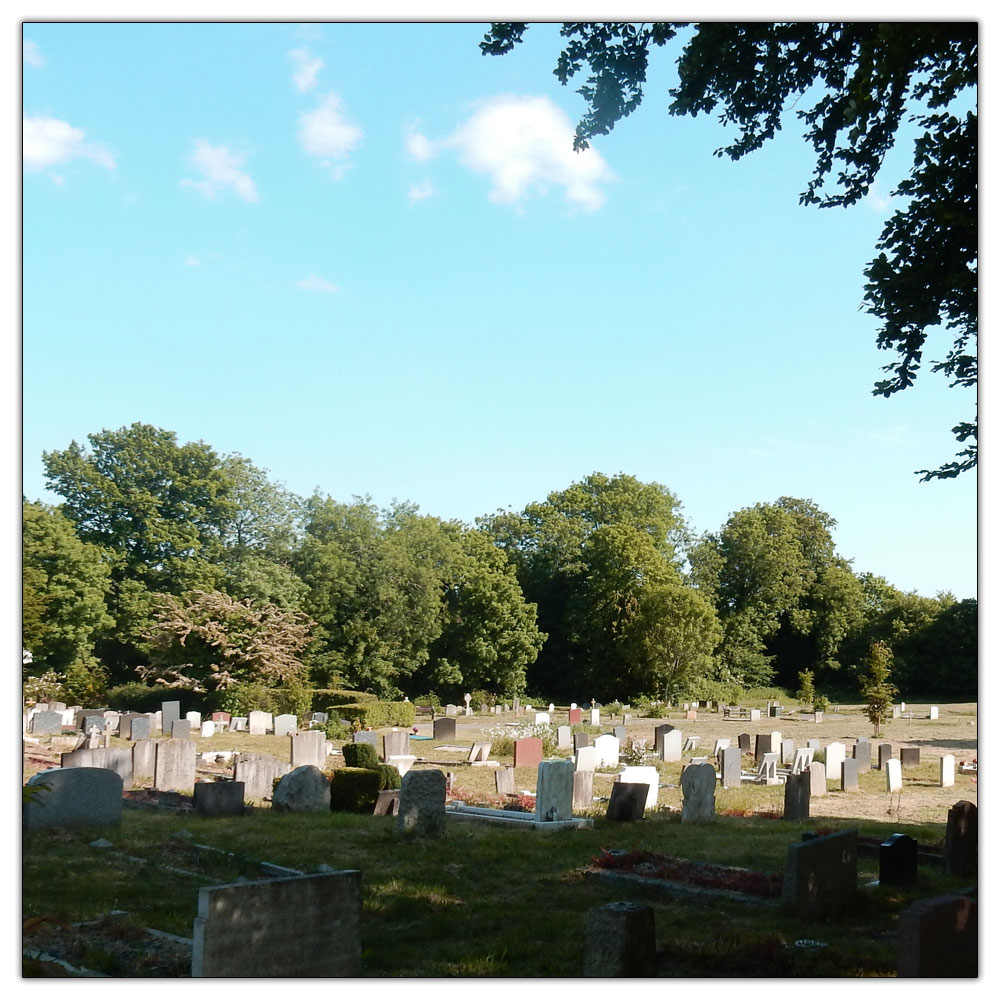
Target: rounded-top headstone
306	789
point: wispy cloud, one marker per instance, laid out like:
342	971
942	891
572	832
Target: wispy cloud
307	67
328	134
878	201
316	284
525	146
420	191
418	146
192	261
48	141
221	170
33	55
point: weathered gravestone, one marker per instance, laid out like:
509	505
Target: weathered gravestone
365	736
897	860
575	716
731	764
946	772
863	756
698	789
180	729
444	729
787	750
133	726
628	801
387	803
480	753
608	750
583	789
305	789
618	732
527	752
817	779
74	797
306	926
308	748
285	725
173	767
170	712
143	760
218	798
637	774
961	840
260	723
586	759
909	756
619	941
542	718
849	775
239	723
117	759
554	791
504	778
669	747
834	760
767	743
451	710
564	737
207	729
422	803
395	743
893	776
595	716
933	712
797	793
745	742
884	754
939	938
580	740
221	717
194	718
258	772
821	874
720	744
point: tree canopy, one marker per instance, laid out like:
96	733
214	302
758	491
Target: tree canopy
867	78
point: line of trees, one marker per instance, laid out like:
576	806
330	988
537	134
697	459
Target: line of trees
173	564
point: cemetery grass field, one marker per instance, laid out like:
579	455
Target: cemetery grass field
496	902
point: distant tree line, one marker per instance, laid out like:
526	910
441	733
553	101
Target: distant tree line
172	564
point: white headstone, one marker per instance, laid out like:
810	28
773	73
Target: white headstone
608	748
542	718
947	778
194	718
552	708
260	723
586	759
285	725
573	704
595	716
835	754
670	745
893	775
643	776
934	711
208	728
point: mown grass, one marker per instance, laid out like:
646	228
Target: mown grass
481	901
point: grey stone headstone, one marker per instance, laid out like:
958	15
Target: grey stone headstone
817	779
218	798
170	711
180	729
258	772
849	775
669	747
93	721
961	840
580	740
619	941
45	723
628	801
117	759
143	760
586	759
564	738
618	731
787	750
305	789
909	756
731	764
285	725
659	732
698	789
504	777
451	710
395	743
174	766
75	797
797	793
821	874
813	743
863	756
304	926
554	791
387	803
583	790
365	736
308	748
939	938
422	803
260	723
744	741
444	729
884	754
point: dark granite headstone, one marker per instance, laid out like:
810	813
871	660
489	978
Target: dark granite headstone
745	742
939	938
897	860
628	800
909	756
821	874
884	754
444	729
797	792
580	740
365	736
218	798
961	840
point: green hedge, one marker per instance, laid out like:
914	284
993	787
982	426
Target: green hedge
143	698
338	696
354	789
377	714
360	755
389	776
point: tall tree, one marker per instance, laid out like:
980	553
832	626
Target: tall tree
875	686
867	78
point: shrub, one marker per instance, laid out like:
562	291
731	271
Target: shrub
354	789
389	776
821	703
335	696
503	738
141	697
242	699
479	697
336	730
377	714
47	687
360	755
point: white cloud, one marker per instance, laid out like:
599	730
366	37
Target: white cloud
878	201
307	66
525	145
33	55
192	261
418	146
220	168
316	284
327	134
417	192
48	141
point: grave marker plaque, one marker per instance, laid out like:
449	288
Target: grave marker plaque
821	874
528	752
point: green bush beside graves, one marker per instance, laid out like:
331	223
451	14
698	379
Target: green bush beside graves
389	776
143	698
360	755
338	696
354	789
377	714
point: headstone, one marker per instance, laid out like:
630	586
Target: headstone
575	716
46	723
484	709
218	798
395	743
365	736
444	729
755	715
240	724
305	789
893	776
817	779
670	746
821	874
731	762
554	791
595	716
91	721
787	750
552	708
180	729
117	759
480	753
961	840
618	732
659	732
173	768
698	789
849	775
720	745
258	772
690	744
504	777
75	797
319	718
583	790
143	760
627	719
527	752
909	756
834	759
813	744
207	729
564	737
946	775
896	711
744	742
933	712
580	740
863	755
303	926
797	792
308	748
637	775
619	941
285	725
628	802
170	712
542	718
763	744
402	762
221	717
897	860
421	803
451	710
608	750
387	803
194	718
939	938
884	754
817	716
691	713
260	723
586	759
125	725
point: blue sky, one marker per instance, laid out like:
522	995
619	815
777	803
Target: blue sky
365	257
